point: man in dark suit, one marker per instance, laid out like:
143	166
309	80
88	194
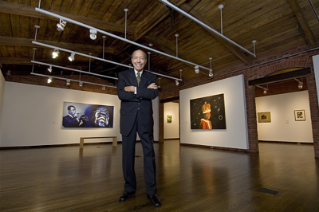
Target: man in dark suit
136	89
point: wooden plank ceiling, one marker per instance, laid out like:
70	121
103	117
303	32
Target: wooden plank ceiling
278	26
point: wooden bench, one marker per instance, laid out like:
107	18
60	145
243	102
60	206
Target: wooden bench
82	140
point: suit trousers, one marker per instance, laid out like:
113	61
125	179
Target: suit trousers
128	157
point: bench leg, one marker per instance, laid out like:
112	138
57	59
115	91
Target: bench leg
81	143
115	141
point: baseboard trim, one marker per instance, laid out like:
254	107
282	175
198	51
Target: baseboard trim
217	148
54	145
285	142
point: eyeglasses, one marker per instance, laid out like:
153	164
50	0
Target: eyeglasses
136	58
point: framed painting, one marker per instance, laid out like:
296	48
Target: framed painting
169	118
208	112
264	117
300	115
78	115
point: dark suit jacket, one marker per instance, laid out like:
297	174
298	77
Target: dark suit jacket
131	103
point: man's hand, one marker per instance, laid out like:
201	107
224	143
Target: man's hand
152	86
130	89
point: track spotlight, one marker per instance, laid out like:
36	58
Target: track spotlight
196	69
55	53
50	69
61	25
8	72
49	80
300	85
176	82
80	83
93	33
265	91
68	83
211	73
71	57
103	88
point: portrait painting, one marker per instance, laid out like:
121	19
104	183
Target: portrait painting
77	115
300	115
208	112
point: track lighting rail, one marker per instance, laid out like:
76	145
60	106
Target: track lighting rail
74	80
97	58
72	69
205	25
116	37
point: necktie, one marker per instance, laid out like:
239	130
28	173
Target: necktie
138	77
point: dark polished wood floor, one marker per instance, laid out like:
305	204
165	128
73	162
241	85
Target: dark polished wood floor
283	177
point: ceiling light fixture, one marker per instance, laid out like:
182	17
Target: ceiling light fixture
55	53
300	85
103	88
71	57
50	69
61	25
8	72
176	82
211	70
211	73
80	83
49	80
65	79
264	88
68	82
93	33
196	69
113	36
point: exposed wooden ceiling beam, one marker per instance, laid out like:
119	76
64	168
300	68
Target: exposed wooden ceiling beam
280	77
29	11
303	22
10	41
234	49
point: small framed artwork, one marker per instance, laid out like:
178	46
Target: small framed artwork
264	117
300	115
169	118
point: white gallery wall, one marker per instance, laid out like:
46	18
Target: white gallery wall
171	130
236	133
32	115
2	82
283	126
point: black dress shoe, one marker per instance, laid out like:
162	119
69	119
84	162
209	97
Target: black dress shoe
126	195
155	200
